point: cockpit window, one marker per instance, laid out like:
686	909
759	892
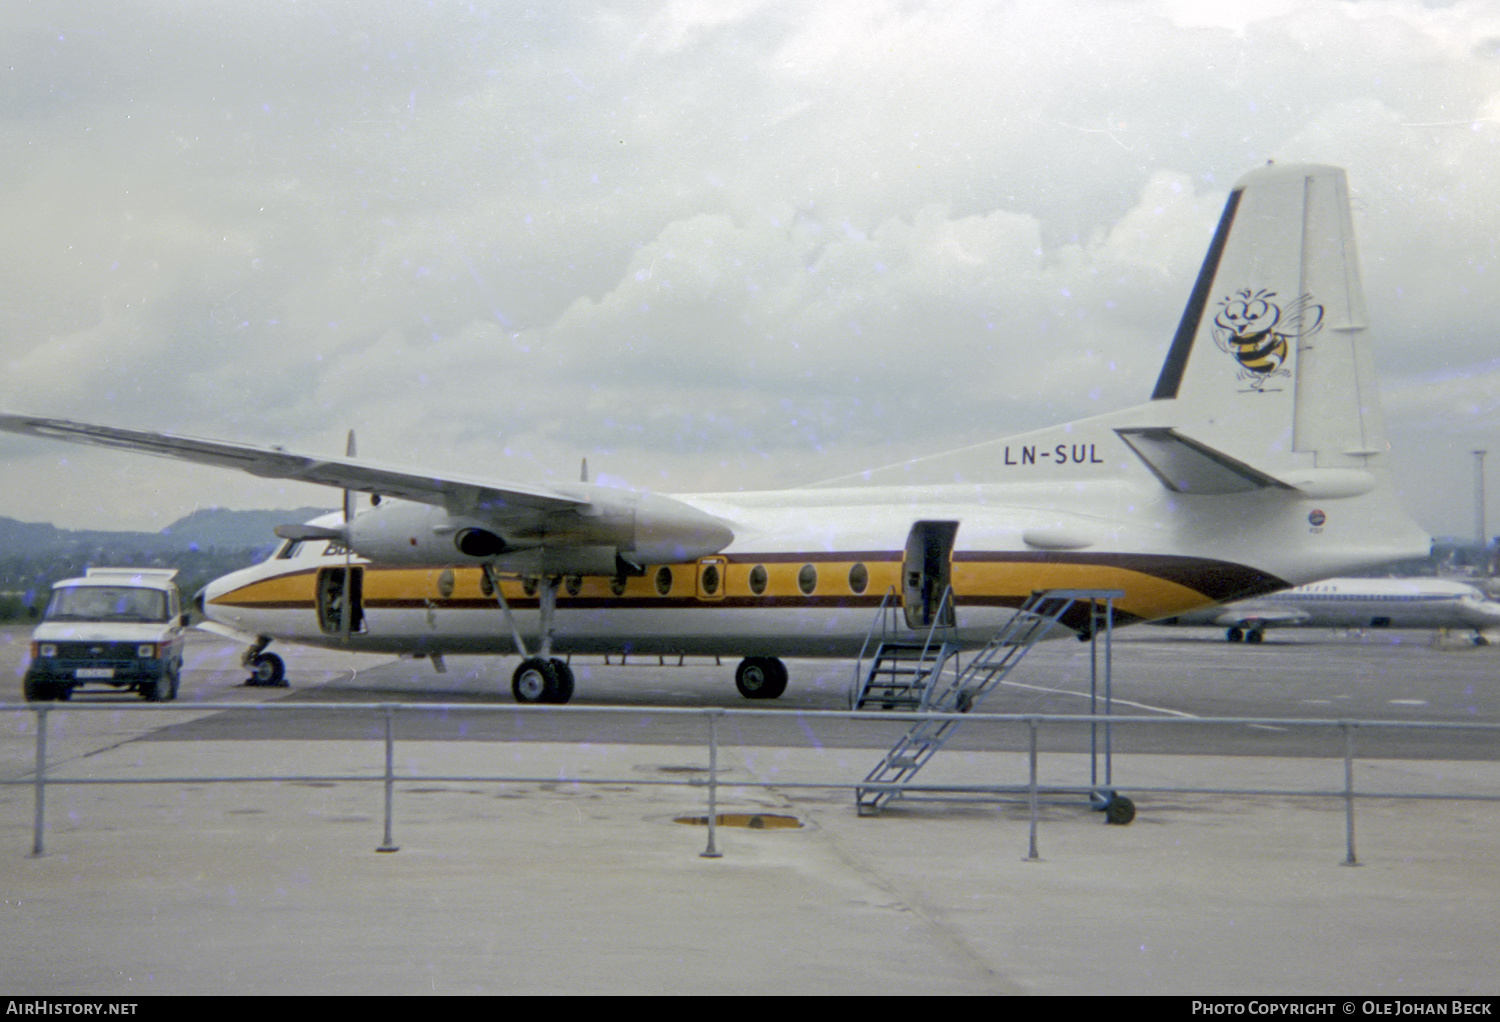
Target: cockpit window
107	603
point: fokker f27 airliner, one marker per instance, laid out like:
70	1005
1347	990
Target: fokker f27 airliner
1260	462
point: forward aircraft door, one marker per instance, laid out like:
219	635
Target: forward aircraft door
927	572
336	614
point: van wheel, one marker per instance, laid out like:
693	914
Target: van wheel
39	691
157	690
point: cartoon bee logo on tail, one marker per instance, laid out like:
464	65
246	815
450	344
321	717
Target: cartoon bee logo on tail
1255	330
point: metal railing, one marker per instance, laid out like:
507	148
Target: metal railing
1032	791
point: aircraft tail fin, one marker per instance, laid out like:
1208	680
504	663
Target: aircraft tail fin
1268	374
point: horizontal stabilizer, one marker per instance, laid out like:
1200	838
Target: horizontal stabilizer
1184	465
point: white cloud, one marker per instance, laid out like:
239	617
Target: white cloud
705	244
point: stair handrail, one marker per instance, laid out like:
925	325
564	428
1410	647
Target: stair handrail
937	623
887	609
886	620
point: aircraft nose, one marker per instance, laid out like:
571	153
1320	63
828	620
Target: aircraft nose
204	599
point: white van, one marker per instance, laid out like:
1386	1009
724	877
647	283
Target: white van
121	627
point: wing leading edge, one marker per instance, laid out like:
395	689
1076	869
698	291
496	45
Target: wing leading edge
640	527
456	495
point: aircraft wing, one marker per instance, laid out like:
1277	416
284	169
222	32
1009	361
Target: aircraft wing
1247	617
572	529
456	495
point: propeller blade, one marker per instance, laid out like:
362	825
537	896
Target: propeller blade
349	494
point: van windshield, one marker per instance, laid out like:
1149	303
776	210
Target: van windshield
107	603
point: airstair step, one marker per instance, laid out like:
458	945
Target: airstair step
961	693
886	699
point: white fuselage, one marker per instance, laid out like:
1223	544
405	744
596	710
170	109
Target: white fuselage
809	569
1415	603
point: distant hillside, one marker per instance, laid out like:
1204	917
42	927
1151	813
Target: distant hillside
218	527
202	546
213	528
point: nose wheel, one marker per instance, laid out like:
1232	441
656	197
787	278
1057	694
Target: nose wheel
267	670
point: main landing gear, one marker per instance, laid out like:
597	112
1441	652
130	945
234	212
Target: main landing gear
760	677
542	680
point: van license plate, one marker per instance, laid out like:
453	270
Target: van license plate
94	672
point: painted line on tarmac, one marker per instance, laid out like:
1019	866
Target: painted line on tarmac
1114	700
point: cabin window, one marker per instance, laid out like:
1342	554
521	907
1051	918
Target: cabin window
807	579
617	585
528	586
758	580
663	581
709	580
859	579
574	584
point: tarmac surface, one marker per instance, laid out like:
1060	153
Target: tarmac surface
545	885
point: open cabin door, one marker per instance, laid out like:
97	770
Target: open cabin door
926	573
337	615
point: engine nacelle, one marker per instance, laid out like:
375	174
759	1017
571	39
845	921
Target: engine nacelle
399	532
614	531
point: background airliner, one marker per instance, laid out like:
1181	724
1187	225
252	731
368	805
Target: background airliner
1260	462
1415	603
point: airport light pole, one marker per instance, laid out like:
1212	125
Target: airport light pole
1480	535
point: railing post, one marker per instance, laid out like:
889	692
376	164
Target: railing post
1349	859
1033	855
39	798
712	851
389	844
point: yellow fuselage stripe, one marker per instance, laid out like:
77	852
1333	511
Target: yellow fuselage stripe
976	582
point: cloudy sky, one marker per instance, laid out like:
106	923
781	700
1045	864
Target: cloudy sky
707	244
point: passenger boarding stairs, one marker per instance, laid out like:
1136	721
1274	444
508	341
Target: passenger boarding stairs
902	669
910	676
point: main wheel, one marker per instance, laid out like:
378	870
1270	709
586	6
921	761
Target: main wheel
760	677
536	681
564	680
